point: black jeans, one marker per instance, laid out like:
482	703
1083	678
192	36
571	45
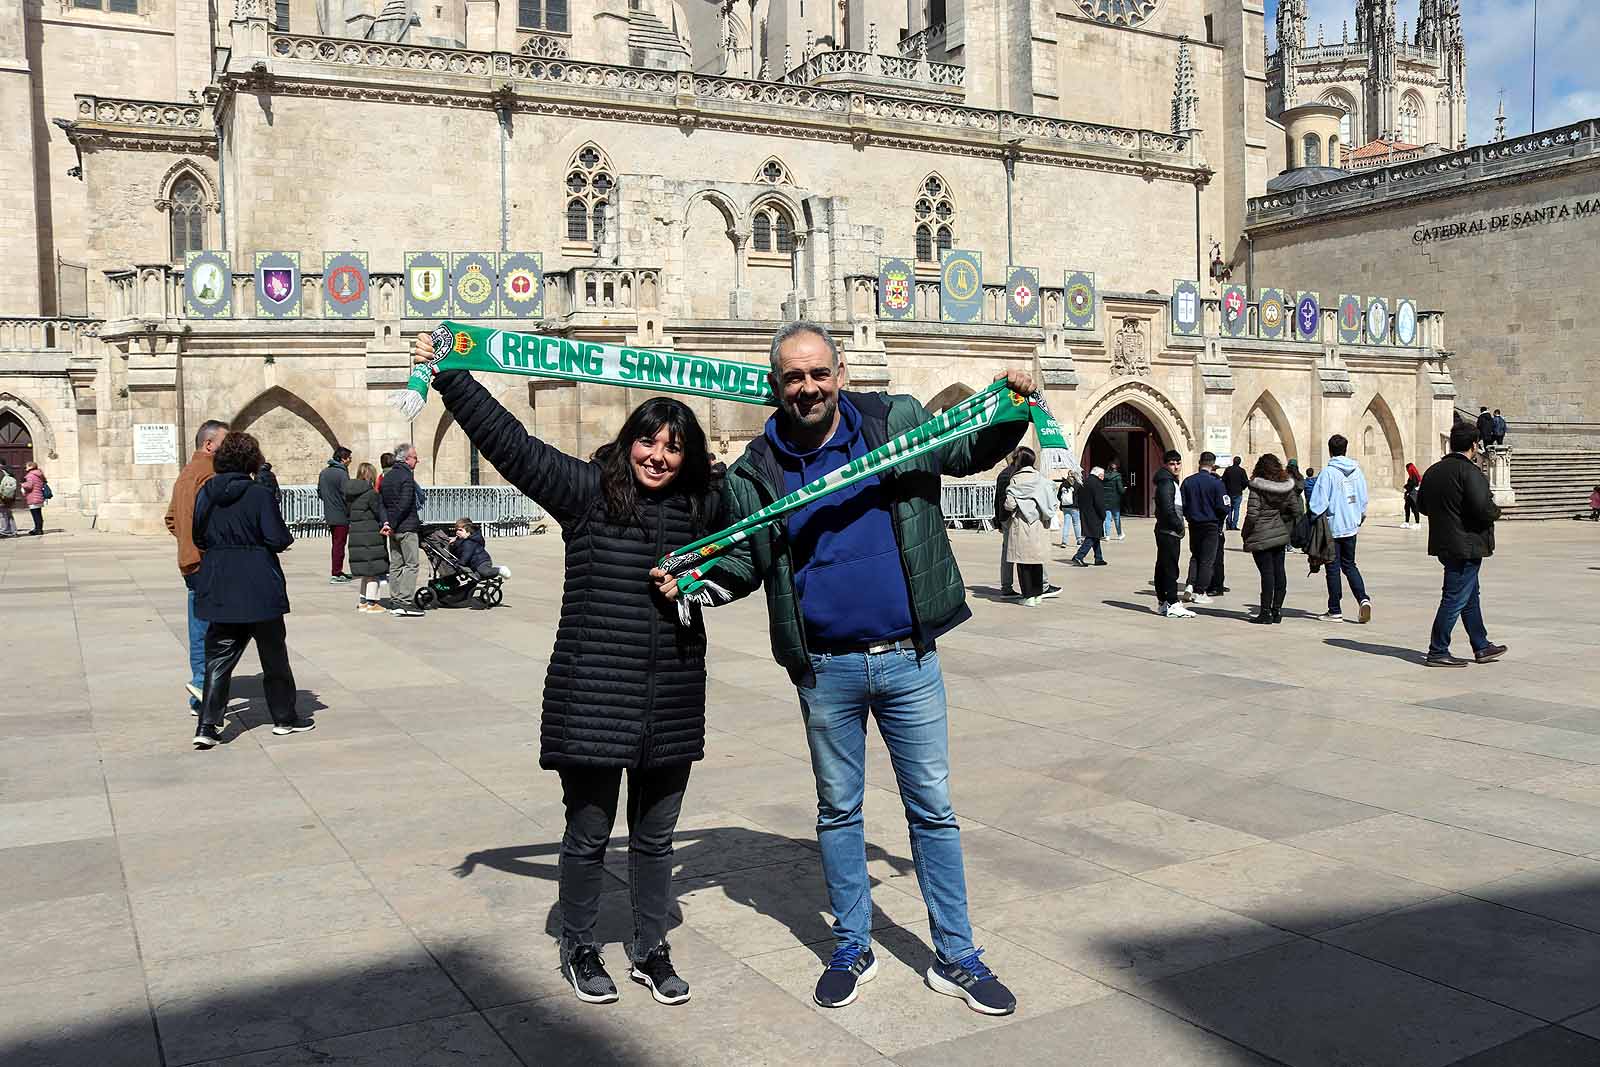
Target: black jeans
225	644
1168	548
1030	576
1412	510
654	799
1205	556
1274	582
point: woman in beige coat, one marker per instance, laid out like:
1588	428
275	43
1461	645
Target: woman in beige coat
1030	512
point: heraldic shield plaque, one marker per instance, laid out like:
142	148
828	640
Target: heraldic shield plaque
897	289
1308	317
207	286
1377	321
1405	323
346	286
961	286
1185	307
521	285
1235	311
1349	319
427	285
278	285
474	285
1079	297
1022	296
1272	313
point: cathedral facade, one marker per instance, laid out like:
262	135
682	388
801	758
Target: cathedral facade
689	175
1395	83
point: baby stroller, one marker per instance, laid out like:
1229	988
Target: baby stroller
452	585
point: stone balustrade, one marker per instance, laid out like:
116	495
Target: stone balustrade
121	112
30	333
701	99
845	67
1433	174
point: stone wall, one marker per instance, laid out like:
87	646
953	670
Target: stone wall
1514	291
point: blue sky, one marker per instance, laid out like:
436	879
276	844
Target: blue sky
1499	56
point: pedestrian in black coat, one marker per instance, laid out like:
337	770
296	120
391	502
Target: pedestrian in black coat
1092	510
625	691
368	548
1461	512
239	589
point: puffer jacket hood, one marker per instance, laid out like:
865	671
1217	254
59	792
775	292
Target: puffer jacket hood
1261	485
1271	510
227	488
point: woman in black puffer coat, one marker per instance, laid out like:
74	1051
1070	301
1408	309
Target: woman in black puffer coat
1275	503
367	547
626	687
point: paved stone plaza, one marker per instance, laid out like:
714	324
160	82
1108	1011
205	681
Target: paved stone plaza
1187	842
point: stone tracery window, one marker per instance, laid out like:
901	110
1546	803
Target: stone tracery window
1346	121
187	210
771	231
590	179
935	219
1411	119
773	172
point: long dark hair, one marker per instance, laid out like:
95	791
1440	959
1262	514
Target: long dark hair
1268	469
693	481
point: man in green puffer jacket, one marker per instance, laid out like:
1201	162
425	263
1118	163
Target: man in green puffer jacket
860	585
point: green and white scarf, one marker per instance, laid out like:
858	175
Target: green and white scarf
461	347
458	346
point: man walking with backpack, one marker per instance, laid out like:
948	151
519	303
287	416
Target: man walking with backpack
1461	515
1341	494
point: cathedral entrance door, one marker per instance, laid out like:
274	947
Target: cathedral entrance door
1126	435
16	444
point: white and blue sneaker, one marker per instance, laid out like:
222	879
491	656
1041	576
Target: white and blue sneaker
975	983
850	966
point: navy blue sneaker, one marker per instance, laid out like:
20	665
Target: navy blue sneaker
970	980
851	965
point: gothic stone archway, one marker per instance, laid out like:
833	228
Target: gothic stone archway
1135	421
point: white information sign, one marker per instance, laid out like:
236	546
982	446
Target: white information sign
155	443
1219	439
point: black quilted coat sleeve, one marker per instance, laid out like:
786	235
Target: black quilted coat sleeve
557	482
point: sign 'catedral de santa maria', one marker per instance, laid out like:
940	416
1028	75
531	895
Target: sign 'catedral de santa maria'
667	181
1581	210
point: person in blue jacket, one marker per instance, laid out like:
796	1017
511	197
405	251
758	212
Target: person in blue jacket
1341	494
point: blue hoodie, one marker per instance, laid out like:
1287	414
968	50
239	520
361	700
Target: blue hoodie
847	571
1341	491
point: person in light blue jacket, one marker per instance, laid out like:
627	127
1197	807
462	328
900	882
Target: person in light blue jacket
1341	494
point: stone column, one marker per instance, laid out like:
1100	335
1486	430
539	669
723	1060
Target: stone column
741	302
20	267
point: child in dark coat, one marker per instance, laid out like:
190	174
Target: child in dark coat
467	546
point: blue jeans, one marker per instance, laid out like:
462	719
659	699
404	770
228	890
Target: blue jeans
1083	549
1113	517
1069	516
1344	562
197	643
1459	599
1233	511
906	695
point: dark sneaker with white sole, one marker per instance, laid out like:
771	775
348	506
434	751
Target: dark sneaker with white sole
586	972
850	966
656	972
207	737
295	727
973	982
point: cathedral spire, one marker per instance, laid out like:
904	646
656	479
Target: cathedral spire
1185	96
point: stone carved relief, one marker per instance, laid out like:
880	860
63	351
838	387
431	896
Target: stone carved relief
1130	350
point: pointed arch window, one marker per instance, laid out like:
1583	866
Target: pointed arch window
771	233
1346	121
1311	151
935	212
1411	119
590	179
187	217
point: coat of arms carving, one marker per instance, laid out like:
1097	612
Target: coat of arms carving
1130	350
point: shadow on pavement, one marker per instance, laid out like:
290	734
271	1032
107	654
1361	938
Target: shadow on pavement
1409	655
1480	979
752	868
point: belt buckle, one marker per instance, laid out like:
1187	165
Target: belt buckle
879	649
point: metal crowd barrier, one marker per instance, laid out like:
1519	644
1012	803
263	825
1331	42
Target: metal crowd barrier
968	503
500	510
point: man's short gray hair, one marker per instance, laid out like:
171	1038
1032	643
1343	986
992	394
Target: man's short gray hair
208	429
794	329
402	450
